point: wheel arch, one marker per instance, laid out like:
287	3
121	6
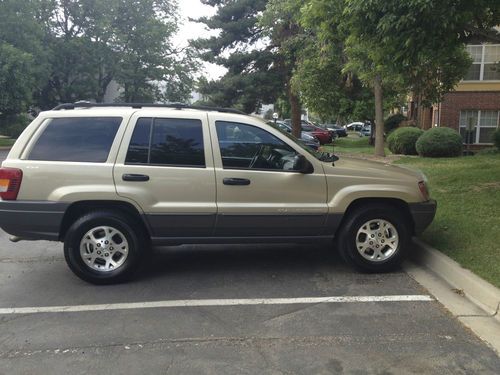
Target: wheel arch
395	203
80	208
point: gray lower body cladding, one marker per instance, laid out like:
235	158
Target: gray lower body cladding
35	220
32	220
422	213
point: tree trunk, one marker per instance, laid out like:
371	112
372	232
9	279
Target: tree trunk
379	117
295	112
419	119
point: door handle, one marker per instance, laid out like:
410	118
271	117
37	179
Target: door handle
135	177
236	181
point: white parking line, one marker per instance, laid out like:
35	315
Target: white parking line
214	302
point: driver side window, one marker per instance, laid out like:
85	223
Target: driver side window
249	147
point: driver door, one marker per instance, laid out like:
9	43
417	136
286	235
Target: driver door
258	192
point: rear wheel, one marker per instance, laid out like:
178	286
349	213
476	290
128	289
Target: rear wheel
374	238
102	247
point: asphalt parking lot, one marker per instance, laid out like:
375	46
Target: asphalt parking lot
353	336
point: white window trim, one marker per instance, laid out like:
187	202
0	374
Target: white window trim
481	63
478	126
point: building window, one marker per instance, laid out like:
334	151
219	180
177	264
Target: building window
478	126
485	62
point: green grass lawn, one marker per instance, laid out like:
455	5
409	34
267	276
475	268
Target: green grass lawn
352	144
467	223
6	142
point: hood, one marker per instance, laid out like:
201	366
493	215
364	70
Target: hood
359	168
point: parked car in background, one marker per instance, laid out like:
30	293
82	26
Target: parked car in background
366	131
323	135
338	130
354	126
306	138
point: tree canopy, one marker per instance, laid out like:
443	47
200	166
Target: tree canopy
70	50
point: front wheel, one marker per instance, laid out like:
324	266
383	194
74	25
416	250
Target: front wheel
374	238
103	248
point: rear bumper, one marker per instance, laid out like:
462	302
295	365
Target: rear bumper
423	213
32	220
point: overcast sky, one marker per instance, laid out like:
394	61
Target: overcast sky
192	30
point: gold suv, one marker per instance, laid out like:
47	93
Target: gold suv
112	180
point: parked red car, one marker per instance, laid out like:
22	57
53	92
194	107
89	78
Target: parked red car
323	135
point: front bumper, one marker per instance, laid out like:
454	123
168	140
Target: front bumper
423	213
32	220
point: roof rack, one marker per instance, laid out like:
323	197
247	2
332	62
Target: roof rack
83	104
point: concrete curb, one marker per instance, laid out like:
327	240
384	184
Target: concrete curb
477	290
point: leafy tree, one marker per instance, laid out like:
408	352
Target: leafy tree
80	46
22	56
281	23
418	44
325	87
253	76
16	79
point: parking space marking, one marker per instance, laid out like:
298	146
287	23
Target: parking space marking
214	303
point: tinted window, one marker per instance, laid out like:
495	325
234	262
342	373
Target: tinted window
249	147
83	139
167	142
138	150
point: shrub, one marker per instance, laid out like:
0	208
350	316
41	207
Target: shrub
392	122
403	140
496	138
439	142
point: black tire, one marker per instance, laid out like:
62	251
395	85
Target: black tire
346	240
138	246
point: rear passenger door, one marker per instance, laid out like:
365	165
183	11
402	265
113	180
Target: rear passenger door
165	165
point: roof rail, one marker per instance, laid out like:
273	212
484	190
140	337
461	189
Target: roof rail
83	104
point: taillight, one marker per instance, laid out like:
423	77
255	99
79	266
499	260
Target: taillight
10	183
423	189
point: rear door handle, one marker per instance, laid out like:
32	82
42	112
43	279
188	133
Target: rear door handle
135	177
236	181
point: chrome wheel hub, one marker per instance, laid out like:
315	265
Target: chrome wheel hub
104	248
377	240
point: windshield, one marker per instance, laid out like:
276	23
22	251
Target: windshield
320	155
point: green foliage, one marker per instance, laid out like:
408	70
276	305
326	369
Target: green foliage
439	142
77	47
254	74
496	138
403	140
13	125
425	49
16	79
392	122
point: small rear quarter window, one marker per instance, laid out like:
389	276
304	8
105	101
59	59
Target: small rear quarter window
76	139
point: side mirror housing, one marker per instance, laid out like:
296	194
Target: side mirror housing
302	165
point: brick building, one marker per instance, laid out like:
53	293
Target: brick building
476	99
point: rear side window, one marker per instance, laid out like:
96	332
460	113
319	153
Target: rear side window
165	141
79	139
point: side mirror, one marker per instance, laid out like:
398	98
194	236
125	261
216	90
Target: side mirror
302	165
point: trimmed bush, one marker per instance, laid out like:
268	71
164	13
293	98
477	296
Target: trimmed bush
496	138
439	142
393	122
403	140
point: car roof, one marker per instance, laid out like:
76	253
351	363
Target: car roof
127	109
